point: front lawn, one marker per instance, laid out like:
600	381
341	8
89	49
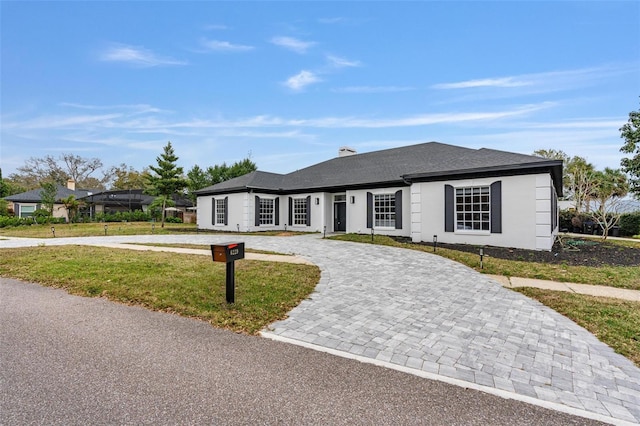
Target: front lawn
192	286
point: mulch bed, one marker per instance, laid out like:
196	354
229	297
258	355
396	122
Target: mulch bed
567	250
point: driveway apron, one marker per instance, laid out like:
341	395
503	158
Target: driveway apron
437	318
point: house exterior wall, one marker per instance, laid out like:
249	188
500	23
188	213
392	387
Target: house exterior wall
242	207
357	212
58	209
525	211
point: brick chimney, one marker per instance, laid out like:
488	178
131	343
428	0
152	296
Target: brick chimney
71	184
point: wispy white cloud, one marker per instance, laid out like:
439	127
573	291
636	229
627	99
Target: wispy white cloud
56	121
224	46
373	89
334	20
293	44
544	81
301	80
134	108
338	62
487	82
137	56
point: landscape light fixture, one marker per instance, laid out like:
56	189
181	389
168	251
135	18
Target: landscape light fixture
372	234
105	229
53	231
153	227
435	242
481	256
324	232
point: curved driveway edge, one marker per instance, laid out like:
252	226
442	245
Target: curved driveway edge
427	314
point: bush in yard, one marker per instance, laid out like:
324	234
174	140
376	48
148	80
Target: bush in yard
173	220
630	224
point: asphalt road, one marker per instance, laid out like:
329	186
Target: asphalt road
72	360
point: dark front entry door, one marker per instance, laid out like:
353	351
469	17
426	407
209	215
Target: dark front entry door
340	216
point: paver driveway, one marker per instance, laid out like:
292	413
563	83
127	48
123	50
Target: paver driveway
435	317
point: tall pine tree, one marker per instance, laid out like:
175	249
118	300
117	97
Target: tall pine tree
167	178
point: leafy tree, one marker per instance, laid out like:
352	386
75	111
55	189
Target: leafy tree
555	154
158	206
72	205
126	177
580	182
196	179
48	196
4	188
59	170
222	172
4	207
166	179
608	188
630	132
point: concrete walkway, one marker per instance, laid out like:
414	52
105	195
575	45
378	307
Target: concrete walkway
431	317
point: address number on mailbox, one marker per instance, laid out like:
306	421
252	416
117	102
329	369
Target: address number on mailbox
227	252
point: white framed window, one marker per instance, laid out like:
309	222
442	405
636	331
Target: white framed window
473	208
299	211
221	210
266	211
384	210
27	211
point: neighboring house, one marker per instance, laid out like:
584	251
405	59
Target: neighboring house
135	199
26	203
425	191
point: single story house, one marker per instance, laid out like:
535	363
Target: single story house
425	192
26	203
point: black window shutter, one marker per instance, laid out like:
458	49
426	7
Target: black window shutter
398	209
369	210
309	210
213	211
290	211
277	211
226	210
496	207
257	211
448	209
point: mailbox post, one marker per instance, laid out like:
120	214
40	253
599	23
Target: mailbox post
228	253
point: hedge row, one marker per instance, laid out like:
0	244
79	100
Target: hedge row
6	221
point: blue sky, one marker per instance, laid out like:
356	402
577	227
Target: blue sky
291	82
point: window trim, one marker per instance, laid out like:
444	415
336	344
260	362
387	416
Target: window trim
300	211
267	217
495	209
220	216
472	209
384	210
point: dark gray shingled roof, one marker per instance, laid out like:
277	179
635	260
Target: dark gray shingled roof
35	195
390	166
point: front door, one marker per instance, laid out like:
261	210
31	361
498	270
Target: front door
340	216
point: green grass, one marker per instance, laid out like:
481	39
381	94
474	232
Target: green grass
192	286
614	322
614	276
119	228
96	229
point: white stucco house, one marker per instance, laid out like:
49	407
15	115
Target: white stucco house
460	195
